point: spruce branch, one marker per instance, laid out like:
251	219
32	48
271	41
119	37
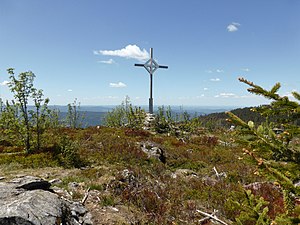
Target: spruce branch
235	119
296	95
262	163
258	90
278	135
275	88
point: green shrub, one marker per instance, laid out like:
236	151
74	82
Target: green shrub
66	151
125	115
273	152
108	200
39	160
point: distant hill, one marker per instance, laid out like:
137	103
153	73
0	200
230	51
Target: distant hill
209	116
219	119
90	118
104	108
94	115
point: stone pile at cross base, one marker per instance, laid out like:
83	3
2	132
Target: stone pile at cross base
30	201
149	120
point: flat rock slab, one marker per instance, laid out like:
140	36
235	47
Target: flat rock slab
28	200
36	207
30	183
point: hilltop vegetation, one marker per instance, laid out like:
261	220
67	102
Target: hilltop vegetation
171	173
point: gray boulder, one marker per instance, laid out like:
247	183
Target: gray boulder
153	151
30	183
28	200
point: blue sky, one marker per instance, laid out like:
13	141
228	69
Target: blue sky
87	49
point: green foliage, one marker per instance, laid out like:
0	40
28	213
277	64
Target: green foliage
164	120
52	120
116	117
97	187
74	118
24	161
271	142
180	125
288	202
67	152
253	210
40	115
188	124
17	121
22	88
216	121
108	200
126	115
10	125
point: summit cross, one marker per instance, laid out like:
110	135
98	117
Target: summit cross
151	66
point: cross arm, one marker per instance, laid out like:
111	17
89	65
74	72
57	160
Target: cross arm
138	64
163	67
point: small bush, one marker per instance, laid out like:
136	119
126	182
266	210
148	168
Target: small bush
66	151
108	200
29	161
98	187
126	115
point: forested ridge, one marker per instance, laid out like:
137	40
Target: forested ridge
220	119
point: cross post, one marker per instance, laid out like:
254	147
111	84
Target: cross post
151	66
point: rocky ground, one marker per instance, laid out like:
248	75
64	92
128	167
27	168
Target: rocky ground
35	197
40	197
30	200
133	177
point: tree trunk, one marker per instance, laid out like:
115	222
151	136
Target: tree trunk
27	138
38	129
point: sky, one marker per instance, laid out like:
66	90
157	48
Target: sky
86	50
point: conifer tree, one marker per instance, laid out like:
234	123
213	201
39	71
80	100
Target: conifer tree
274	145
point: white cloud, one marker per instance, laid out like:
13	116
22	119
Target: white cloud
96	52
205	89
110	61
4	83
233	27
112	97
117	85
212	71
215	79
129	52
249	96
226	95
246	69
70	90
290	95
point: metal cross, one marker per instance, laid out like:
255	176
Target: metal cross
151	66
